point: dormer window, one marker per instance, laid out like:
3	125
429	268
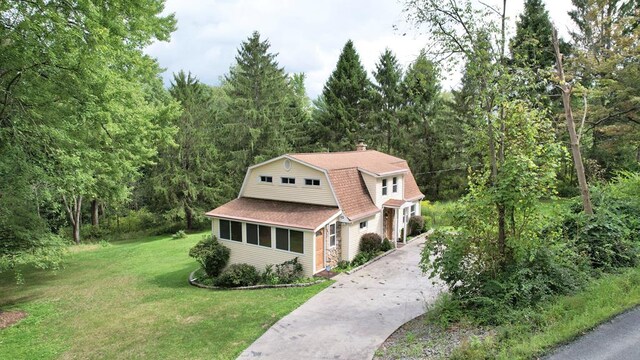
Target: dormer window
384	187
312	182
288	180
394	188
266	179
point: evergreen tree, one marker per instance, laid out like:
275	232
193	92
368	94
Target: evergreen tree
387	100
185	181
344	117
300	111
425	127
531	46
258	112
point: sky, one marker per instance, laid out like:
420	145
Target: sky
307	35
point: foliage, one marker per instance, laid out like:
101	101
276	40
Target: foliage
438	214
238	275
606	74
533	332
610	238
186	180
82	106
386	102
344	109
363	257
180	234
549	266
415	225
289	271
370	242
258	113
386	245
211	255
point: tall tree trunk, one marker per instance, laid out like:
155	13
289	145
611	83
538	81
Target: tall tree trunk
74	210
573	137
188	214
95	219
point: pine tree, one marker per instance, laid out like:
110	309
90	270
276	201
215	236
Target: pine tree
387	100
344	117
186	178
258	113
531	45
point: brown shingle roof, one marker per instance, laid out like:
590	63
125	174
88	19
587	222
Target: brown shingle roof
347	181
288	214
394	203
370	160
352	193
411	190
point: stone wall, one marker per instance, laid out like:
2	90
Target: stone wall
334	254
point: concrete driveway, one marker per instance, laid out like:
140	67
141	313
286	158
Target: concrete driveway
350	319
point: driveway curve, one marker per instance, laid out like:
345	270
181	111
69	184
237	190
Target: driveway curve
353	317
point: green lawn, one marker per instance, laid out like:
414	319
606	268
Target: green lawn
132	300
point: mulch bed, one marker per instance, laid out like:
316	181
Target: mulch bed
8	318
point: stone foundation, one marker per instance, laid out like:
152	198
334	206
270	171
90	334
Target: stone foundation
334	255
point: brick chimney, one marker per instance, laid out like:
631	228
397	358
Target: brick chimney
361	146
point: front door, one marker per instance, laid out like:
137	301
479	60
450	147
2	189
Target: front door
388	223
320	250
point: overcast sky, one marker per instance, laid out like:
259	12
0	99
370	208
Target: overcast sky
308	35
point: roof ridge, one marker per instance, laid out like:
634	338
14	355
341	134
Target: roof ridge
335	152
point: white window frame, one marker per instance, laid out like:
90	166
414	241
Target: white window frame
405	215
394	187
384	187
288	183
275	241
258	226
242	240
365	226
413	210
313	182
266	177
333	238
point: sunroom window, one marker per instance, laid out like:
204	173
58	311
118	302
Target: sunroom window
290	240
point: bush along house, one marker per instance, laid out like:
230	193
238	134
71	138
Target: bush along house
316	206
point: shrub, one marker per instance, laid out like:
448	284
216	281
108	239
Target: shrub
238	275
370	242
386	245
609	236
362	257
416	224
180	234
342	264
211	255
289	271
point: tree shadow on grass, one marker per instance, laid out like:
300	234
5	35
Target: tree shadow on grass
175	279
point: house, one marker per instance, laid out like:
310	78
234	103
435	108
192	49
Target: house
316	206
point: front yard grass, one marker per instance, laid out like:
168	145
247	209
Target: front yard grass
131	299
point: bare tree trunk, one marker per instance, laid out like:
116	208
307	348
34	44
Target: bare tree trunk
95	219
188	214
74	210
573	137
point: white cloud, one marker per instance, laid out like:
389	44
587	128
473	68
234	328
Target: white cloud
308	35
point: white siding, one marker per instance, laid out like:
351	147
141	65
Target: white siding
320	195
374	185
351	234
260	256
